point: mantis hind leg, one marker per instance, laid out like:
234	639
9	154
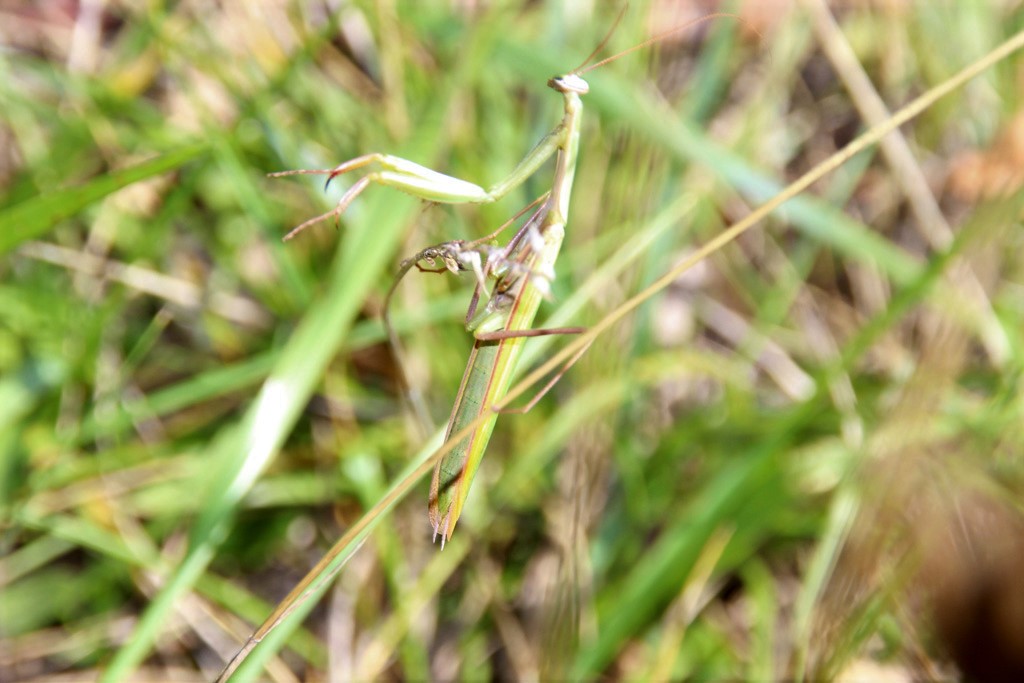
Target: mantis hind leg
558	375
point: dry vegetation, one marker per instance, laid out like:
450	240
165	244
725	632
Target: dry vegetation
801	460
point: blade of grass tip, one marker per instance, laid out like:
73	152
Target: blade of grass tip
32	217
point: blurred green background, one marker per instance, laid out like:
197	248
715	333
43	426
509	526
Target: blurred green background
801	460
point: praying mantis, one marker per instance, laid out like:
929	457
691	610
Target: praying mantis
521	271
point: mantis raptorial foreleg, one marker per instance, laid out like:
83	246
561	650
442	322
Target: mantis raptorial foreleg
422	182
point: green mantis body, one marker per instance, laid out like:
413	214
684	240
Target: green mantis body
504	323
509	312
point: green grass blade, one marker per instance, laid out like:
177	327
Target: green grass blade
33	217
